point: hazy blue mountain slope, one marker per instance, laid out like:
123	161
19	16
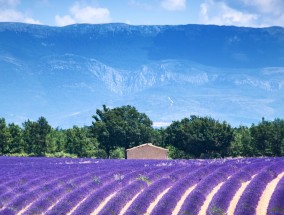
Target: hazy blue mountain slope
169	72
221	46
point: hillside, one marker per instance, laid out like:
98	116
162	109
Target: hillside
168	72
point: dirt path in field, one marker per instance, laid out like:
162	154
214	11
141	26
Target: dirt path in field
237	196
182	199
73	209
209	198
266	195
24	209
52	206
124	209
154	203
101	206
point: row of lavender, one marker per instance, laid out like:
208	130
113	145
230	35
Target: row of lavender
55	186
80	186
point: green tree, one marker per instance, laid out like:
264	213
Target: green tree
261	136
36	136
42	133
17	143
158	137
175	153
121	127
79	142
268	137
5	137
242	144
278	137
29	136
56	141
200	136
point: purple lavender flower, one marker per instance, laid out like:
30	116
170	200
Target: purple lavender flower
66	183
276	204
196	198
248	203
221	201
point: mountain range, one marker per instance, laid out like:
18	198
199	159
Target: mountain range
168	72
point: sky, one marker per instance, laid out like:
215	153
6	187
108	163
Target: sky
249	13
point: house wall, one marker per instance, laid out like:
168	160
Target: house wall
147	152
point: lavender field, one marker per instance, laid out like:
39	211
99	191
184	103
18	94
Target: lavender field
92	186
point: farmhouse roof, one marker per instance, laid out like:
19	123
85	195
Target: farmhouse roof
147	144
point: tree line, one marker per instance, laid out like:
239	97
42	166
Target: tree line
114	130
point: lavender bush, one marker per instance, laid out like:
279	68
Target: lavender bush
61	185
248	203
276	204
195	199
220	202
169	201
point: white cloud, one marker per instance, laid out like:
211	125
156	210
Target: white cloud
9	13
90	14
173	5
266	6
161	124
64	20
84	14
75	113
171	101
254	13
31	21
271	11
220	13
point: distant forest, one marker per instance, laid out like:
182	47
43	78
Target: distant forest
114	130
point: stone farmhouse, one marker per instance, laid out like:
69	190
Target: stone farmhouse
147	151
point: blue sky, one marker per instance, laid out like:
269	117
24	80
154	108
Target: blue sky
253	13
